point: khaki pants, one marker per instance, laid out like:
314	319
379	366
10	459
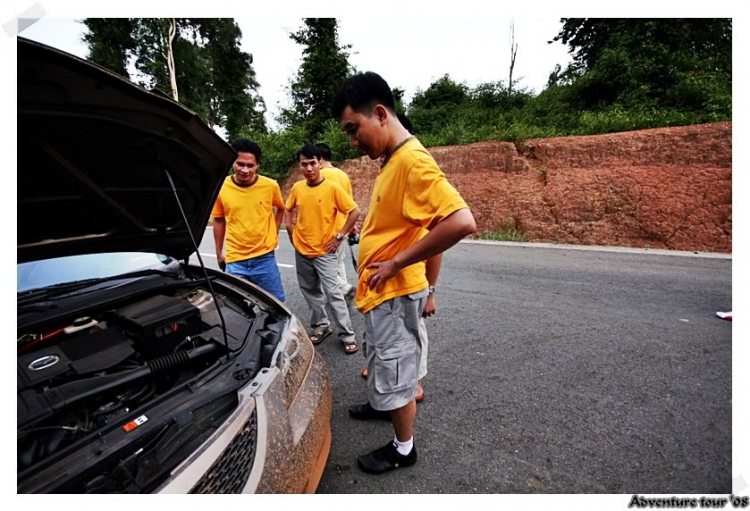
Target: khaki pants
341	270
318	281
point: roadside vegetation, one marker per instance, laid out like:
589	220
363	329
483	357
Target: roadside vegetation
626	74
506	233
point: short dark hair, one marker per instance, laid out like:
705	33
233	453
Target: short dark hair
362	92
245	145
325	151
406	123
308	151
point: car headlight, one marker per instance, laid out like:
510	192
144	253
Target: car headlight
296	359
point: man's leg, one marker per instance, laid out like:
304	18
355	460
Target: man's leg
394	351
403	421
238	269
346	288
310	285
264	272
423	359
326	270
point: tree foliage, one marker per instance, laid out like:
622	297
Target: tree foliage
648	63
215	78
110	41
325	65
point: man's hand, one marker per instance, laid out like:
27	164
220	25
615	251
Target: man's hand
222	261
332	245
383	272
430	307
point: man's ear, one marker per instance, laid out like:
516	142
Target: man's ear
381	114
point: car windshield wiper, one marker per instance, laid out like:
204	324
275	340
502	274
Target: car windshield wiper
59	290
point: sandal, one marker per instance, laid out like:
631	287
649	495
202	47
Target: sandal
350	347
319	336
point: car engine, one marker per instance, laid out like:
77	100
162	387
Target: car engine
90	373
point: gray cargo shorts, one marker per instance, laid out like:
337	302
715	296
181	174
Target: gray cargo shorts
394	350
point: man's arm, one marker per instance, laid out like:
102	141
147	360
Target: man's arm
278	216
442	236
220	229
333	244
289	223
432	271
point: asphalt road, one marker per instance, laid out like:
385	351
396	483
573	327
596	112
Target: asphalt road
554	371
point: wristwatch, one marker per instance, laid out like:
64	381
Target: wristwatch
339	236
431	289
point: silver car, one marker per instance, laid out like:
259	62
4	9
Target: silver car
139	373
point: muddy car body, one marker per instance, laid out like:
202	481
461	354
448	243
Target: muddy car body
165	377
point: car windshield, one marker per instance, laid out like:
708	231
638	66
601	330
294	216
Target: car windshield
49	272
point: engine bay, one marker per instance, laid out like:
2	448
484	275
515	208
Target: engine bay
80	382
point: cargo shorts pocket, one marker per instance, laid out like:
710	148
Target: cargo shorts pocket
412	313
395	366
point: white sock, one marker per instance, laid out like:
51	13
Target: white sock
403	448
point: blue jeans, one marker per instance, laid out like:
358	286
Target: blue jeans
261	271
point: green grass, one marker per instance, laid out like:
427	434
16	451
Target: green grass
506	233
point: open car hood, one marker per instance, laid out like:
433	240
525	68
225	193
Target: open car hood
93	149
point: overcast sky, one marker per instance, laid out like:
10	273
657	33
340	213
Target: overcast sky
471	50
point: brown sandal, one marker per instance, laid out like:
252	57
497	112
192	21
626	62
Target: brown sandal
350	347
319	336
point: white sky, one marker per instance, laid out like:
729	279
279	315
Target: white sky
472	50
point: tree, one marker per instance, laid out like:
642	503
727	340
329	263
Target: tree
170	58
660	63
110	41
398	100
214	76
439	104
235	102
325	65
513	51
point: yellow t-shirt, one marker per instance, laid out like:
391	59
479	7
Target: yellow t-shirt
342	178
319	209
251	227
411	194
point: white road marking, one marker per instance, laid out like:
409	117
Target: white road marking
602	248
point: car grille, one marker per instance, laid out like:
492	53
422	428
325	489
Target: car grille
229	473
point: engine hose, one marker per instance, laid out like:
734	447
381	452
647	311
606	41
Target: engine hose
178	359
161	365
34	406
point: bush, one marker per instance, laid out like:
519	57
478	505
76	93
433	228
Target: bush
450	113
279	149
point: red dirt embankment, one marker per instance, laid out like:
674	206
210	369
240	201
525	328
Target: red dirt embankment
659	188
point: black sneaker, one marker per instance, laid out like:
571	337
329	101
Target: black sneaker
386	458
366	412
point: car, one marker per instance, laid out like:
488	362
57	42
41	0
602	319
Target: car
138	372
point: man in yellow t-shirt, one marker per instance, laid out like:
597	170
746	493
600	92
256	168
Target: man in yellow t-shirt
248	214
328	171
316	236
414	214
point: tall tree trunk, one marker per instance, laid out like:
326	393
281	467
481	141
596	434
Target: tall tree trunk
170	58
513	51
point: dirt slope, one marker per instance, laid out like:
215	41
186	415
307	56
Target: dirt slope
659	188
